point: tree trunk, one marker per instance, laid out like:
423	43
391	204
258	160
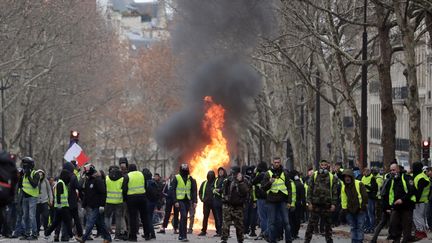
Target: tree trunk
388	117
429	27
412	103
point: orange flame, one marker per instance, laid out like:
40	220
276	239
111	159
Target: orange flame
215	153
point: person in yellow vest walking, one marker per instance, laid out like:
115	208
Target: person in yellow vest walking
206	196
354	200
401	199
134	192
184	193
61	205
277	184
371	185
30	190
114	202
422	185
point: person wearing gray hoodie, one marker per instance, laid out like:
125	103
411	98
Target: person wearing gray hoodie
45	201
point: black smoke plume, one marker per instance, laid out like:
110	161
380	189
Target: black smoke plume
213	39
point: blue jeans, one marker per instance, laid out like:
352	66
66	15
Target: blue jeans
370	217
262	214
356	221
94	217
274	211
29	215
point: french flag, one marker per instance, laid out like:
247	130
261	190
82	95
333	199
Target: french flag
76	153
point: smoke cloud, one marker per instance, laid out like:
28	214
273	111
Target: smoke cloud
213	40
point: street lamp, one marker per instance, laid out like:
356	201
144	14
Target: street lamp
363	151
4	86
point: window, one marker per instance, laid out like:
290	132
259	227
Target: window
145	18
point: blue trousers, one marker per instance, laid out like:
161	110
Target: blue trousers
29	215
95	218
370	216
262	215
275	210
356	221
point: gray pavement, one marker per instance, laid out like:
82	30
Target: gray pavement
341	234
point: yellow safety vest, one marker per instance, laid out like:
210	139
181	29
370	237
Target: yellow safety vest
183	189
367	181
380	181
293	194
114	190
136	183
28	188
278	184
391	193
425	194
344	198
215	187
63	197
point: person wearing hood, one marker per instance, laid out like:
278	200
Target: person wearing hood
45	201
354	200
73	199
250	210
401	201
277	184
235	191
299	202
30	187
184	193
206	196
153	198
422	184
114	202
169	207
217	199
261	195
61	205
371	185
134	191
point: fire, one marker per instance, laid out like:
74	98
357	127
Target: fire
215	153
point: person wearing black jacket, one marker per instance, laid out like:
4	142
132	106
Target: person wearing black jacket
235	191
61	204
369	181
261	195
135	194
401	193
206	196
295	213
152	199
386	210
422	185
217	199
30	190
169	206
184	193
73	199
277	184
94	194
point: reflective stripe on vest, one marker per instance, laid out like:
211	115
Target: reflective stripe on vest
136	183
28	188
183	190
278	184
63	197
215	189
391	193
344	198
367	181
425	194
293	194
204	189
114	190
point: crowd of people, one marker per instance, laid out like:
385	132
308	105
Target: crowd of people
271	198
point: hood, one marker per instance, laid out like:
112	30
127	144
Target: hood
147	174
348	172
211	176
69	167
42	172
262	167
114	173
224	171
235	170
417	168
65	176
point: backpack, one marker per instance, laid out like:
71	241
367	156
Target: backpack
8	178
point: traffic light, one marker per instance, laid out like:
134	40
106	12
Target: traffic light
425	149
74	135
